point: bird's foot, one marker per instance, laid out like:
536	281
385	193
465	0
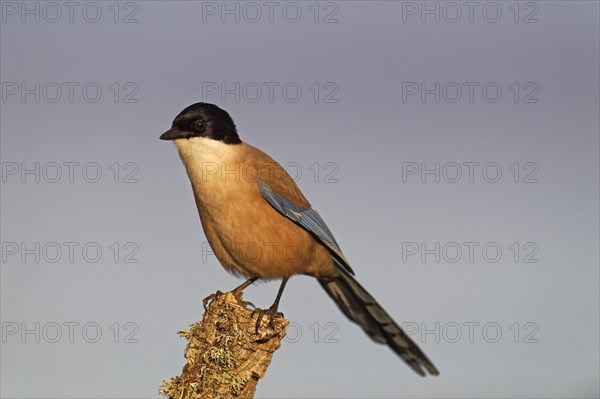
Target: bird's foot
247	304
209	298
237	293
272	314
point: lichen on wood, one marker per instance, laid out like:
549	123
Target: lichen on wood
226	353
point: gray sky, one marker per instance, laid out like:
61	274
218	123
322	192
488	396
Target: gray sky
455	160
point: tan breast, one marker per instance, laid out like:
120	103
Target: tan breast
247	235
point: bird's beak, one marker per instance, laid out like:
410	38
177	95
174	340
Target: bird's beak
171	135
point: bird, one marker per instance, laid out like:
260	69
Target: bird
261	227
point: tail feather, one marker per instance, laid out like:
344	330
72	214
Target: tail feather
360	307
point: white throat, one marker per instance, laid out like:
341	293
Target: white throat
207	162
204	149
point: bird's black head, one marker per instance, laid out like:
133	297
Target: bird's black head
203	120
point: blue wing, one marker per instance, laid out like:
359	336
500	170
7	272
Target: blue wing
309	220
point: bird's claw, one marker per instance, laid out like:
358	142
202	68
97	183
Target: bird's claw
248	303
272	313
209	298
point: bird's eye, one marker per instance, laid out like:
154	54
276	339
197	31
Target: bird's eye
199	124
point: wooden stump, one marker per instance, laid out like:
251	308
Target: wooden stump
226	355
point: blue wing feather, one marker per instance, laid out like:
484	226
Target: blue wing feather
309	220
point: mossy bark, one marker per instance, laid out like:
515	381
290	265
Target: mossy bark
226	355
